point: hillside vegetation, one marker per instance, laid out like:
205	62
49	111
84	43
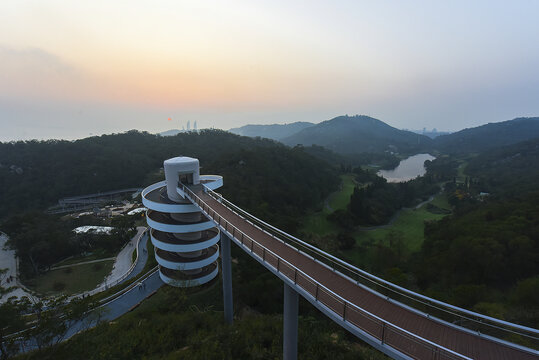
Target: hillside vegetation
478	248
35	174
489	136
273	131
484	256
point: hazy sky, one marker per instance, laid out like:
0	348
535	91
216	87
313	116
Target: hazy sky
69	69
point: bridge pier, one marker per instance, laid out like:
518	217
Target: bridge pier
290	323
226	265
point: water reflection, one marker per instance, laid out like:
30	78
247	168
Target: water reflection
408	168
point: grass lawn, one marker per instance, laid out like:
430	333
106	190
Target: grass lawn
409	225
317	222
71	280
441	201
461	176
96	255
340	199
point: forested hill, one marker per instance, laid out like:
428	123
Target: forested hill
489	136
510	170
484	256
357	134
274	131
263	175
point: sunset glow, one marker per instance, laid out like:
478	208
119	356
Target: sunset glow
457	64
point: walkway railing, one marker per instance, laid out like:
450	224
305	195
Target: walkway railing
379	329
474	321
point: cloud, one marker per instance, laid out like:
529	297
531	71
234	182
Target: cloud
35	58
35	73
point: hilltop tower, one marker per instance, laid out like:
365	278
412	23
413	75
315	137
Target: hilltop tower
185	241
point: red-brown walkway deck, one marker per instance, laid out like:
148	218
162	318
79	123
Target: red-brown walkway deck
463	342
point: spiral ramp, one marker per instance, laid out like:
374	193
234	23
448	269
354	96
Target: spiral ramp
185	241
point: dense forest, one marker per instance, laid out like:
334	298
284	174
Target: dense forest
41	240
488	136
289	182
35	174
486	255
483	256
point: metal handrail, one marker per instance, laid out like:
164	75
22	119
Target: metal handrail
197	200
384	283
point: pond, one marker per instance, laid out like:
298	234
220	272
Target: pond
408	169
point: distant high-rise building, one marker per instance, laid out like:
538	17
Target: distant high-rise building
195	125
188	125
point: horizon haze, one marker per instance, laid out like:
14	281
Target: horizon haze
71	70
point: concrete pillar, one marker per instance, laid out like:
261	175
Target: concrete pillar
290	323
226	265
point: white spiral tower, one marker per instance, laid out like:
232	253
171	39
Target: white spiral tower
185	240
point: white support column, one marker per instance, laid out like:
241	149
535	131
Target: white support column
290	323
226	265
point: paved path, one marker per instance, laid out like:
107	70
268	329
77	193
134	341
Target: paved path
8	261
143	257
127	301
117	277
124	259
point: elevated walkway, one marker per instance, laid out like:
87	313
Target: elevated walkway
398	330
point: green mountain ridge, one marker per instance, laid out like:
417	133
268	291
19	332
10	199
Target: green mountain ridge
272	131
360	133
488	136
